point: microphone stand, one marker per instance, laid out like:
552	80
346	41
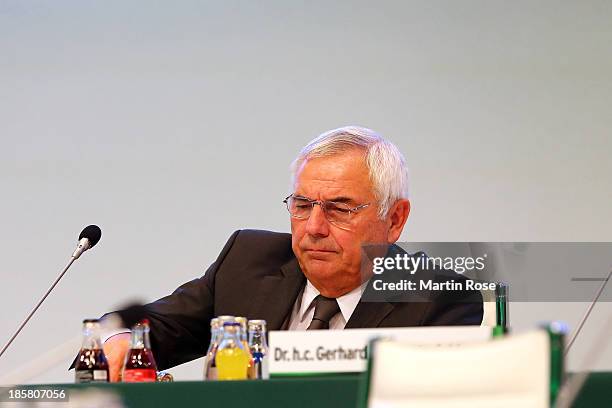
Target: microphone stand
587	313
72	259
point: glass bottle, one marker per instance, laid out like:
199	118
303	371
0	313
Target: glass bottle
210	368
258	346
232	359
91	364
243	338
139	365
210	363
557	332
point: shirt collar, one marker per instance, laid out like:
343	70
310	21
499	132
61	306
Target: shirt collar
347	302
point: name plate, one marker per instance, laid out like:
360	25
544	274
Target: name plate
345	351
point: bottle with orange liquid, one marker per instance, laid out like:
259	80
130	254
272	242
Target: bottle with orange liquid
232	358
245	343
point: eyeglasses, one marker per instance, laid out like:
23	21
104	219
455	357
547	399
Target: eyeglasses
339	214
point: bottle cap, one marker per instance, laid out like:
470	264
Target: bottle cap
225	318
257	323
90	321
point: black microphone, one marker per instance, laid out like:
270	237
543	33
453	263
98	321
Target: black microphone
88	238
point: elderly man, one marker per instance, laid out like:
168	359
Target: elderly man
349	188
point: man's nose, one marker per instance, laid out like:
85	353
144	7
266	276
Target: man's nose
317	224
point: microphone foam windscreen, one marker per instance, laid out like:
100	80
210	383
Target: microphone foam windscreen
93	233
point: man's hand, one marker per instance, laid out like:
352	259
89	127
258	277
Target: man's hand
115	349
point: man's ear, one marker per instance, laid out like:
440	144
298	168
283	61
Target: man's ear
396	219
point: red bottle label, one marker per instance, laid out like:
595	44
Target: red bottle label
139	375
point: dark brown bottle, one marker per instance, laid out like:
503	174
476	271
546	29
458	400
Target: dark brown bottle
91	364
139	363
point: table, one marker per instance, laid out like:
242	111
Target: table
334	391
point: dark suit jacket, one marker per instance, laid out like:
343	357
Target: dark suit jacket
257	276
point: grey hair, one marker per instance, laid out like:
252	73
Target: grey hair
386	164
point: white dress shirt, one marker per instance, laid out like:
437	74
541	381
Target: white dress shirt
303	309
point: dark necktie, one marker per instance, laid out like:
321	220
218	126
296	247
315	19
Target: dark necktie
325	309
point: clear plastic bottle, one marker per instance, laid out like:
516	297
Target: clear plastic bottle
91	364
139	365
232	359
258	346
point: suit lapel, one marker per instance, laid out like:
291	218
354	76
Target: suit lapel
276	295
369	314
